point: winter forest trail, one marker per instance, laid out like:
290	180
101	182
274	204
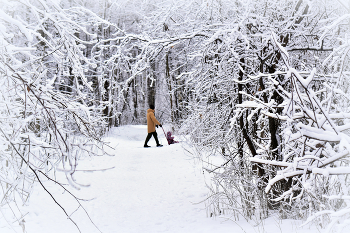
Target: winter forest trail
149	190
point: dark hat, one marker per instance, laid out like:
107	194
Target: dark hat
151	106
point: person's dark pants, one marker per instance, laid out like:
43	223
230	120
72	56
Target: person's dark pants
149	135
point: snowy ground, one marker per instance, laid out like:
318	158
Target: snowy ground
148	190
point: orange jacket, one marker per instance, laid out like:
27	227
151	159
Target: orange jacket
151	121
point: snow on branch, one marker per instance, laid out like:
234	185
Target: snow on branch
316	135
47	120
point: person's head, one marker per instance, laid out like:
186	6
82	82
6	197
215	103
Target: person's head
151	106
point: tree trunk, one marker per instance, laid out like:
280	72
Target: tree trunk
169	83
151	84
241	119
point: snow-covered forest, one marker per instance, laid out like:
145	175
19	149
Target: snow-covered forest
262	86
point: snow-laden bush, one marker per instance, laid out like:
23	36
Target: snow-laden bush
315	152
281	77
47	119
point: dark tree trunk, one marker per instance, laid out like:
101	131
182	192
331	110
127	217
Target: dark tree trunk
135	99
169	83
240	142
244	127
151	84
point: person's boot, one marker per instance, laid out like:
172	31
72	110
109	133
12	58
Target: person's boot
147	139
156	138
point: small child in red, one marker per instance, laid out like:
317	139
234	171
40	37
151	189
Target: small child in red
170	138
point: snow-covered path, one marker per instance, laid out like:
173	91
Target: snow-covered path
151	189
148	190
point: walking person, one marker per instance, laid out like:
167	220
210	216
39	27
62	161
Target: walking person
152	122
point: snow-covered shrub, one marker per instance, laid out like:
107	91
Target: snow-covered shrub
47	122
316	136
264	72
